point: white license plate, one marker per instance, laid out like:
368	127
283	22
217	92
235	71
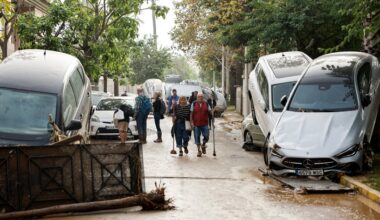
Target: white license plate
309	172
110	127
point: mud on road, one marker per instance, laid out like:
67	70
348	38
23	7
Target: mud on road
229	186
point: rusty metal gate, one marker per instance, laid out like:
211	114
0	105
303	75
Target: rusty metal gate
36	177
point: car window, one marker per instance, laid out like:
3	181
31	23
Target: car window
364	79
113	104
263	84
325	90
77	83
69	104
278	91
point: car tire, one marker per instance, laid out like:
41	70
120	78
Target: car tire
248	138
266	151
368	157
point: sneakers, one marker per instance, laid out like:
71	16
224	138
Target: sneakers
204	148
186	150
180	152
199	151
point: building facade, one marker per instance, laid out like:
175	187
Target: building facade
37	7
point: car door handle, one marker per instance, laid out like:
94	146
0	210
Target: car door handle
81	117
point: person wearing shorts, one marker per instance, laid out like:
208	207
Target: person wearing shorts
122	124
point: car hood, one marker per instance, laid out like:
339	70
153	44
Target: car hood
317	134
105	116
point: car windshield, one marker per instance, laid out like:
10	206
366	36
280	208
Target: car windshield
26	112
278	91
325	92
95	98
113	104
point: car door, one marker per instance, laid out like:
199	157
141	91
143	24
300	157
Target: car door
261	99
69	107
77	81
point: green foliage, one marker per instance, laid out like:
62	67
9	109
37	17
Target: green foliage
8	17
181	66
148	62
100	33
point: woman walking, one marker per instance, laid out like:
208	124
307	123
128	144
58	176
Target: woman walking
158	111
181	116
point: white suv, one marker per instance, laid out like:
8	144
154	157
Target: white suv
273	77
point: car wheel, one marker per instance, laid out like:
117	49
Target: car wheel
248	138
266	151
368	157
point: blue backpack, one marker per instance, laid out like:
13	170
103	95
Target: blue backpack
146	107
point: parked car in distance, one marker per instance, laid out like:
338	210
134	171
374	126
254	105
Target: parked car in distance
102	123
96	96
186	90
274	76
221	104
151	86
36	83
328	122
252	135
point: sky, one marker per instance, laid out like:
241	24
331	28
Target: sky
164	26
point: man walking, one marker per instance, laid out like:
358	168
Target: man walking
172	100
200	111
143	107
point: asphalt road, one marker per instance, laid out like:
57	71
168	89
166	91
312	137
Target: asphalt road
228	186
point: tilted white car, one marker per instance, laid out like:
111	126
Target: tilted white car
328	121
102	120
274	76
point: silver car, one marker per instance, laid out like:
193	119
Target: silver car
252	135
329	118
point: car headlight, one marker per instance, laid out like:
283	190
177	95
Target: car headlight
351	151
277	154
95	119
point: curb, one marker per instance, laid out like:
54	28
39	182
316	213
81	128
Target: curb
363	189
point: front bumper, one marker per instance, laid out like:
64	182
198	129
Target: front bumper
289	165
108	129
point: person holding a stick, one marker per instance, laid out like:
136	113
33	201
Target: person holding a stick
181	116
199	117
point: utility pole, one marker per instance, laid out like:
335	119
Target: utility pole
247	70
154	23
223	72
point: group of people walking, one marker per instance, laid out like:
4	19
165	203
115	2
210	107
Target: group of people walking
188	116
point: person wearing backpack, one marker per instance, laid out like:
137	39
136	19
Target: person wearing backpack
159	109
143	107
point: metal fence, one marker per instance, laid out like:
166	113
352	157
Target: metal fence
36	177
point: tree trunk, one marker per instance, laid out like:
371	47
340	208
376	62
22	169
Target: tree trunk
105	83
223	72
116	86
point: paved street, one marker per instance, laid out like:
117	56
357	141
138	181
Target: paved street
229	186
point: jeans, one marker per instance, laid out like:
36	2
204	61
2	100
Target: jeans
181	135
198	130
141	123
157	118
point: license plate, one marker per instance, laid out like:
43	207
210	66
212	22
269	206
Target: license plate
110	127
309	172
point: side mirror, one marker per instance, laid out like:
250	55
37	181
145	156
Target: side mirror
74	125
284	100
366	100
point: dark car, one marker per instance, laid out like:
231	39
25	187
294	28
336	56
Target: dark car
35	84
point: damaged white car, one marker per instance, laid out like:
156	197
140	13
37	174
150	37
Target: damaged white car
328	120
